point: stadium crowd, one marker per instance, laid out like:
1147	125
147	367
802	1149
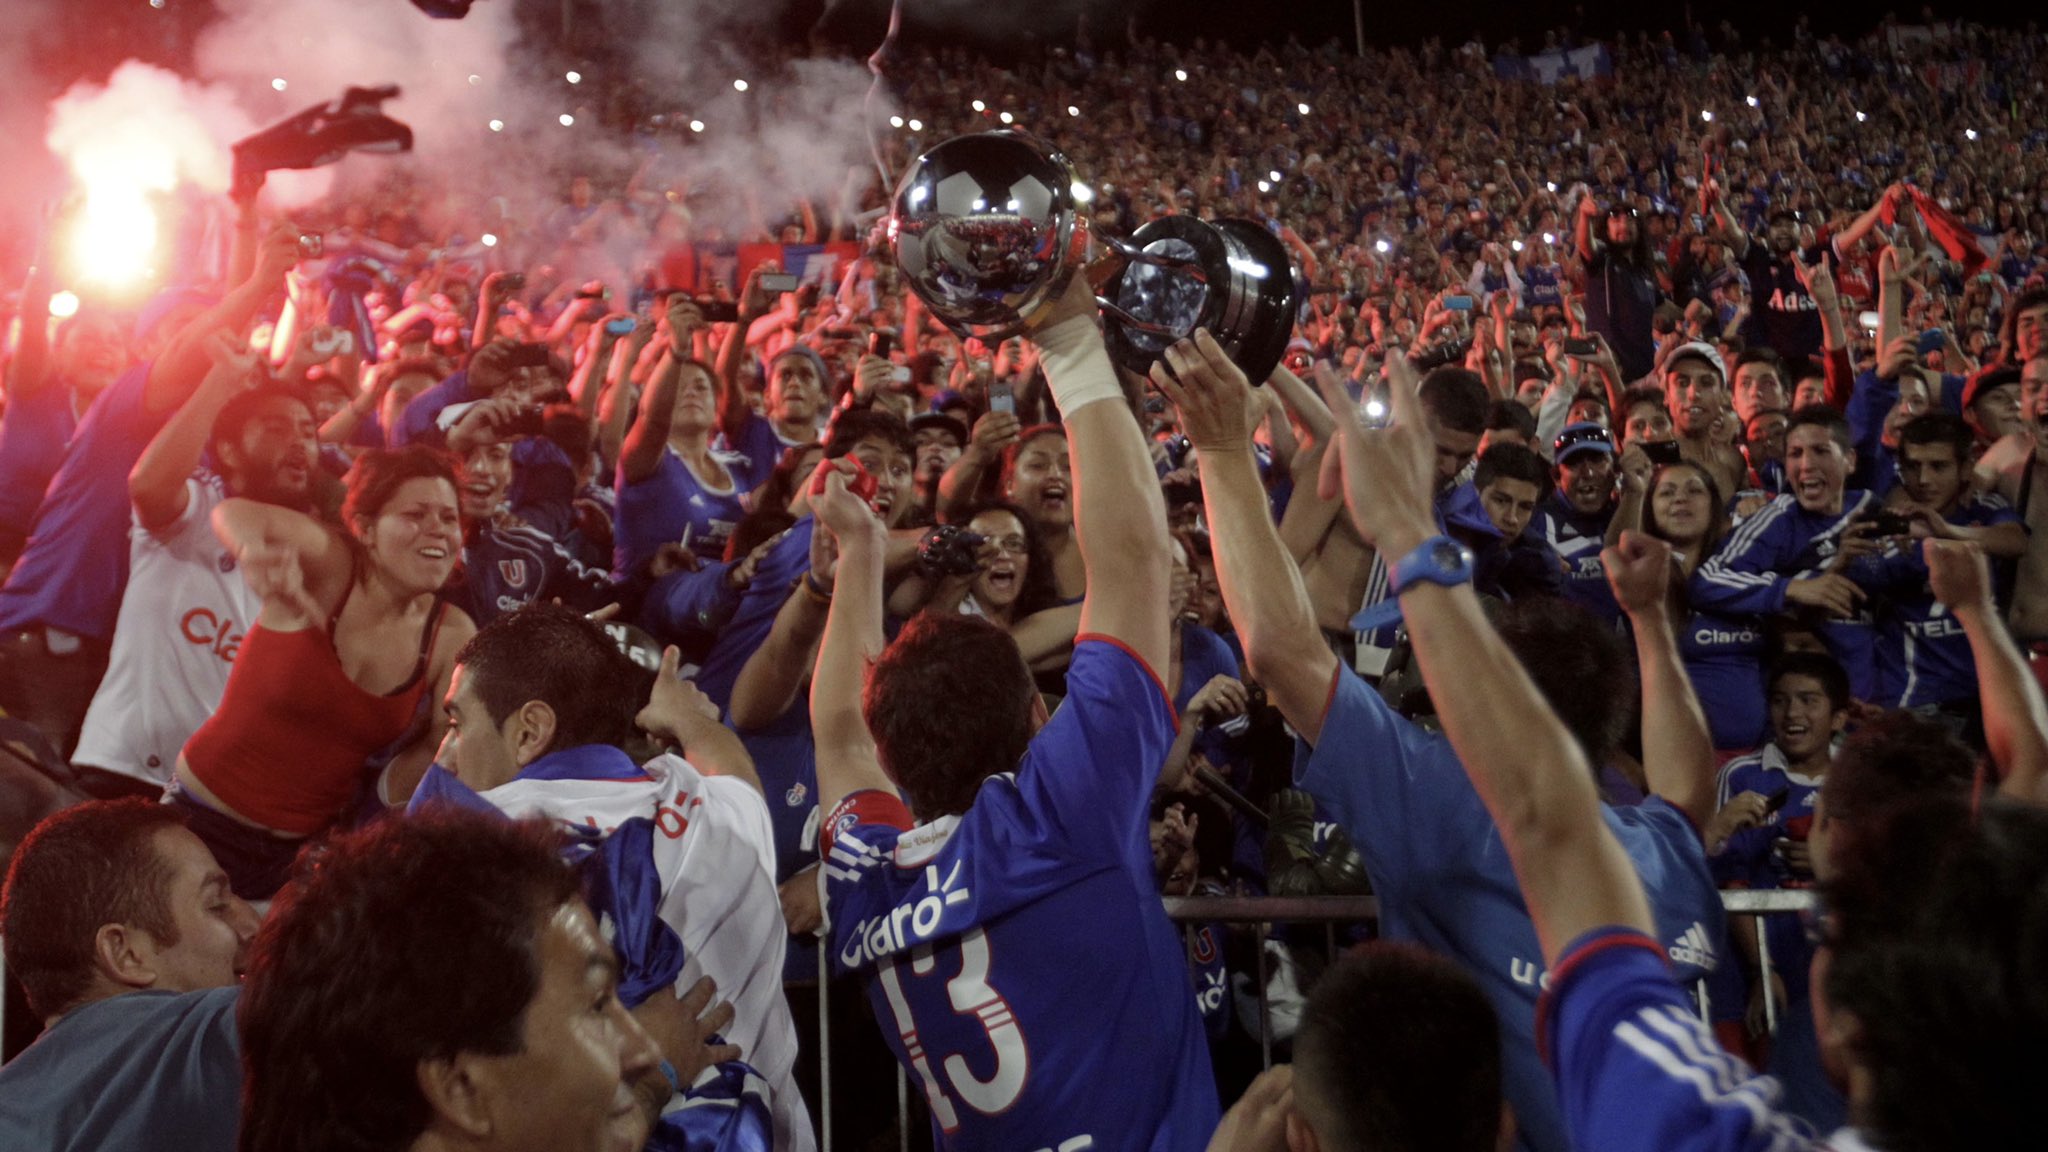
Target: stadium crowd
1642	511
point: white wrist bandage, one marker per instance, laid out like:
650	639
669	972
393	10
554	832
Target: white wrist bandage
1076	364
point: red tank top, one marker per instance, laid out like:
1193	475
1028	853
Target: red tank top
288	746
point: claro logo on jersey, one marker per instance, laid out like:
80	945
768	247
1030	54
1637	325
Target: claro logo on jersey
911	922
216	634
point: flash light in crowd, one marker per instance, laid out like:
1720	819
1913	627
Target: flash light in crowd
1707	115
1006	118
574	77
278	84
1550	185
64	305
978	106
567	120
1375	409
696	125
1969	133
1860	117
1517	245
1751	100
916	125
739	85
895	121
1550	237
1180	74
497	125
1382	247
1265	187
1083	194
1301	108
1072	110
490	240
1274	175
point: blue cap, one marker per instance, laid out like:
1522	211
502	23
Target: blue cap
1585	436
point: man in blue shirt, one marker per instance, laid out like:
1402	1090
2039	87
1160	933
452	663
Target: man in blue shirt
125	935
1018	957
1434	854
1573	519
58	606
1635	1066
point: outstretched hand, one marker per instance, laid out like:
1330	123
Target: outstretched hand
1386	475
1639	570
1217	407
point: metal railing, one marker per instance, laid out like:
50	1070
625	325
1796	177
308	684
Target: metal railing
1191	913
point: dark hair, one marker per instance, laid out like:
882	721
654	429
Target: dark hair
1803	368
1578	666
755	529
949	703
553	654
1643	395
1456	399
2009	326
1822	416
570	430
340	1007
1511	416
1596	400
1939	428
1717	519
1511	462
379	473
1761	354
1939	922
1897	757
1041	589
1814	666
84	867
776	492
235	416
853	425
1399	1051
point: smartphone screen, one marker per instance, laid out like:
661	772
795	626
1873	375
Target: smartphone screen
1001	399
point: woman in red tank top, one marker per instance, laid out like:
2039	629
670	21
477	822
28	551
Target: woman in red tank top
343	672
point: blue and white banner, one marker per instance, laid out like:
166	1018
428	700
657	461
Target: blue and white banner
1592	62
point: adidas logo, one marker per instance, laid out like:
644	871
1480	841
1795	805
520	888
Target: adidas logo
1694	948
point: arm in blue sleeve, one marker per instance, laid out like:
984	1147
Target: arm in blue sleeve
1869	404
1742	578
686	607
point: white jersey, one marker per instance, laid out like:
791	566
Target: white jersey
715	856
182	620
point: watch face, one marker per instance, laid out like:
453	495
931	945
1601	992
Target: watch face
1448	556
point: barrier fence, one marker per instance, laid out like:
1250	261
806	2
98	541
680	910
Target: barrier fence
1192	913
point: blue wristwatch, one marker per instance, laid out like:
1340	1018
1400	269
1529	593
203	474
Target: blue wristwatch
1437	560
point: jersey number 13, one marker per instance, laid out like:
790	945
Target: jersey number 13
970	995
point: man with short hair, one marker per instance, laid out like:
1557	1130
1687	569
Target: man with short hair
126	937
1759	384
1991	403
1573	519
1032	831
513	1038
187	606
1696	395
1490	516
539	707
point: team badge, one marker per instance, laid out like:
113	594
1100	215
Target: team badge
796	794
514	572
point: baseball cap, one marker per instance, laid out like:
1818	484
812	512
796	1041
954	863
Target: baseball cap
1996	376
1584	436
1698	349
947	399
924	420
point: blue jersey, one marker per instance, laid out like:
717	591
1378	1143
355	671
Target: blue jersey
1444	881
1577	538
753	454
75	567
1782	543
673	506
1636	1069
1723	658
34	430
507	565
1746	859
1017	955
1923	656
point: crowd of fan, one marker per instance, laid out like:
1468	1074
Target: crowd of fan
1727	372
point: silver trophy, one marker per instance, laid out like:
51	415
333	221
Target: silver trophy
987	230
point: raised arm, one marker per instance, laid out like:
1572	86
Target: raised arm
677	712
184	362
1678	750
847	760
2015	717
1262	587
1524	764
1119	511
732	395
156	485
29	371
648	438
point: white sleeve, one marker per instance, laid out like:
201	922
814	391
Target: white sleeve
190	536
743	811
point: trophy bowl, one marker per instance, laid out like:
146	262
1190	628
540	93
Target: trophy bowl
983	231
1181	273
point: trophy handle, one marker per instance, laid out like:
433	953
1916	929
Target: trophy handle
1131	252
1130	321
